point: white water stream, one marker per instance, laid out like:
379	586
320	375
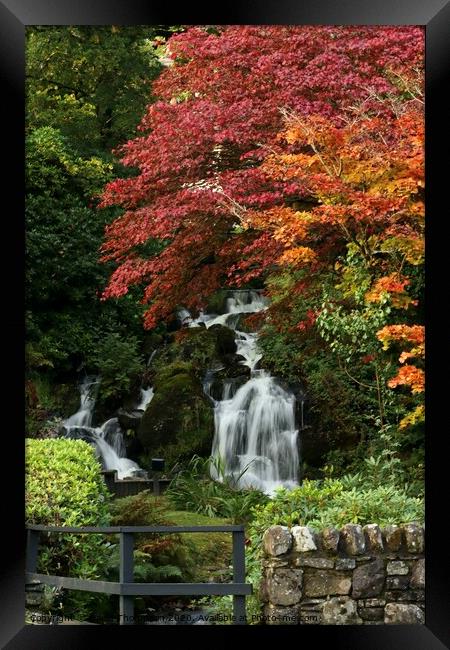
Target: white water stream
108	439
255	436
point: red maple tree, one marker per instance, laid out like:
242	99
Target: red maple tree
209	147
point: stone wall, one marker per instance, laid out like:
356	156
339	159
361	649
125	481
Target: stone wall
353	576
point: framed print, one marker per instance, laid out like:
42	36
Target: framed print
221	246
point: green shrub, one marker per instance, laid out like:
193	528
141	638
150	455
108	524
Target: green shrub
195	490
64	487
157	557
119	364
335	502
331	502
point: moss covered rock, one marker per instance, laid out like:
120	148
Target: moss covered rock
195	346
179	420
224	339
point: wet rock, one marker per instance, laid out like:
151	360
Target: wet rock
368	579
399	614
352	538
326	583
414	537
340	611
129	419
277	540
225	339
374	539
179	421
418	575
151	342
217	303
314	444
283	586
303	539
233	367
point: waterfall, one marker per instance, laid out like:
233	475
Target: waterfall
83	417
255	436
146	398
108	439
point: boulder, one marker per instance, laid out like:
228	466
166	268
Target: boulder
193	345
397	568
129	419
374	539
233	367
152	340
225	339
179	420
314	562
217	303
345	563
397	582
218	384
414	537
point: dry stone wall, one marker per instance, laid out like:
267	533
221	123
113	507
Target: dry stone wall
352	576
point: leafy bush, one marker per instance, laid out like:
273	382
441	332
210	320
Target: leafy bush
64	487
335	502
119	364
194	489
157	557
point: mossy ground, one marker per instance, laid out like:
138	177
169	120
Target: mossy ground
213	551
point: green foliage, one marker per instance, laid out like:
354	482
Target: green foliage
328	503
158	558
195	346
86	89
119	364
64	487
281	353
194	489
92	80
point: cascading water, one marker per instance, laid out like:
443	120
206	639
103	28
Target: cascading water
108	439
255	436
146	398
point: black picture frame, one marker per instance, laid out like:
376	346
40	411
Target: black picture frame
15	15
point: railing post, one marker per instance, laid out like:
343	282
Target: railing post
239	576
32	550
126	607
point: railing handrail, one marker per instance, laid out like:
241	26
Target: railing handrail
126	588
136	529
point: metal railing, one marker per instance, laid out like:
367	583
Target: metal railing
126	588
